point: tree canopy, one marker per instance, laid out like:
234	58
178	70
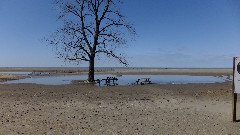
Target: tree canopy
91	28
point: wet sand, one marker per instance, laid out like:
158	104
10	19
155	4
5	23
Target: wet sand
6	77
86	109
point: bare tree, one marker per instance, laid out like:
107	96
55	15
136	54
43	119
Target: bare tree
91	28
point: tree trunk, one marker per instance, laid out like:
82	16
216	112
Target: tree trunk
91	70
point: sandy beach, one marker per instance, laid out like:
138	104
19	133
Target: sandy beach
85	109
119	67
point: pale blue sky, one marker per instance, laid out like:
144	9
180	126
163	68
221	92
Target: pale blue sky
171	33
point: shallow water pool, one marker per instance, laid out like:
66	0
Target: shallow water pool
122	80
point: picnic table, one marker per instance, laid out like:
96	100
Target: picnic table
143	81
98	81
110	81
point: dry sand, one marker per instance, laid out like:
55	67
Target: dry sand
202	109
84	109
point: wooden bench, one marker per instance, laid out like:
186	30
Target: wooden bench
143	81
110	81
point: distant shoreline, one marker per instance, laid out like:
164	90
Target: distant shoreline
124	70
8	68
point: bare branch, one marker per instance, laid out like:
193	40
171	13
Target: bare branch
120	58
91	27
105	10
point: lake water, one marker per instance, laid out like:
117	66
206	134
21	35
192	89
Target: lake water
122	80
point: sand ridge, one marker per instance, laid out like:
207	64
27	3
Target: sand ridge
6	77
